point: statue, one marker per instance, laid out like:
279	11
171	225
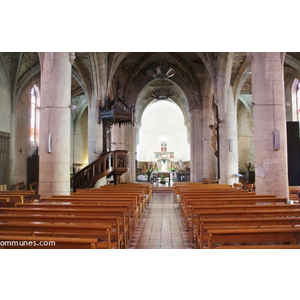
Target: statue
214	137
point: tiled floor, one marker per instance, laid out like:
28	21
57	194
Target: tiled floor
161	226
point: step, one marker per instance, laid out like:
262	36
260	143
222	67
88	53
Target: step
162	190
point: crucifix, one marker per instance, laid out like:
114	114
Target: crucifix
163	154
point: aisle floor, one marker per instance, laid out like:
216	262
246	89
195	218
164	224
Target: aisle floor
161	226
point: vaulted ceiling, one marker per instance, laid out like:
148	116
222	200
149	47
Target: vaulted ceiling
128	72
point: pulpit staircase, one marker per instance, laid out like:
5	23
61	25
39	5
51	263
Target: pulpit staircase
112	163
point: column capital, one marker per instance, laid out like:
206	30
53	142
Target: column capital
249	57
72	57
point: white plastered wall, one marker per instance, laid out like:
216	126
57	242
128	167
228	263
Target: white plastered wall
163	121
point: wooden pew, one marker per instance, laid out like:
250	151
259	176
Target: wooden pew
117	203
253	213
147	187
5	202
182	192
140	202
253	236
14	198
293	193
20	195
35	242
116	233
178	187
121	212
141	193
270	246
100	231
241	223
186	210
193	222
189	200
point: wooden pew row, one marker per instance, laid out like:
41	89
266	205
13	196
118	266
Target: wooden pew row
193	222
117	189
148	186
195	228
122	212
35	242
186	211
242	223
228	190
116	203
293	193
117	235
177	187
13	198
253	236
269	246
5	202
188	200
140	203
20	195
129	185
114	188
100	231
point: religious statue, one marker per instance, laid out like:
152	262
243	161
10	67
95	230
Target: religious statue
214	137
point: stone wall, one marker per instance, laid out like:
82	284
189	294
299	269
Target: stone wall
79	151
163	122
5	111
22	145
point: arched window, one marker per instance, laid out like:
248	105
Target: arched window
35	116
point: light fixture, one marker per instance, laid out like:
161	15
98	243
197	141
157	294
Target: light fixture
73	106
269	104
161	73
161	95
114	143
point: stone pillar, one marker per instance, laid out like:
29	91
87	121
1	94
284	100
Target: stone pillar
117	137
196	145
271	170
130	176
54	169
123	138
95	131
228	138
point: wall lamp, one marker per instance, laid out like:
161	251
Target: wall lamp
71	106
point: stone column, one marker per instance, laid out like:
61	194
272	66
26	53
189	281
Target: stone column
271	171
54	169
196	145
117	137
228	138
130	176
95	131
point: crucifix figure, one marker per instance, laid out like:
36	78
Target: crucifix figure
163	154
214	137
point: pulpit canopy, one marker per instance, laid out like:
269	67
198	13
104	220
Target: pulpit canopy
117	111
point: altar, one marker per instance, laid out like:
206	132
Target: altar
168	175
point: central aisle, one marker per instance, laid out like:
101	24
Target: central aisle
161	226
